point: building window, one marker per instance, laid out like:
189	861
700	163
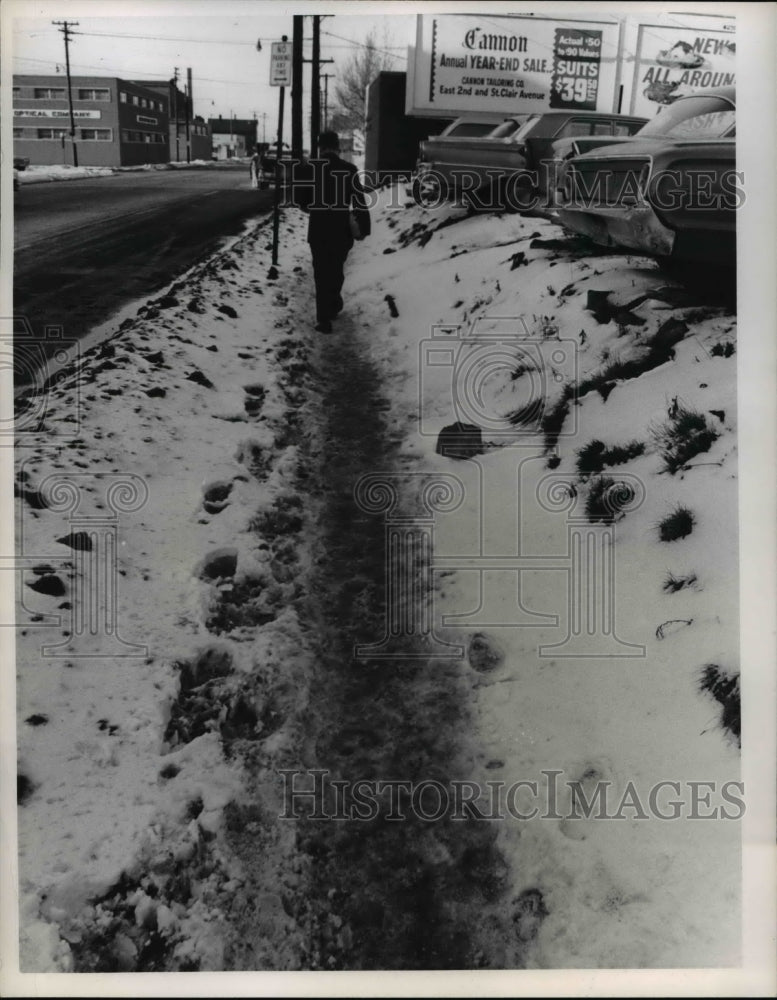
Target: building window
145	120
135	100
123	97
96	134
18	133
155	138
51	133
93	94
49	93
17	91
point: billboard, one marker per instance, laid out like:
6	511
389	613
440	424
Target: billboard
512	64
675	57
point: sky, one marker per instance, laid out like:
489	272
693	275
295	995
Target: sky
230	77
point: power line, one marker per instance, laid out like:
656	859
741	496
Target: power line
364	45
167	38
122	74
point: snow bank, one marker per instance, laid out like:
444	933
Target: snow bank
625	708
35	174
128	731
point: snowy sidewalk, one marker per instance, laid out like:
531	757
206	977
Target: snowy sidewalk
133	765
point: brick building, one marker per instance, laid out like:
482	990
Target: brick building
117	122
186	130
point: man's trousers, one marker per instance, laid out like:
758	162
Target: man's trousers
328	263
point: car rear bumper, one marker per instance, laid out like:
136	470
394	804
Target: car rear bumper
636	228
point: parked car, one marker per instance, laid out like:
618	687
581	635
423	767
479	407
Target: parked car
564	150
511	165
267	164
671	191
21	162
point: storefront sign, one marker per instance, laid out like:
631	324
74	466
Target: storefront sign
53	113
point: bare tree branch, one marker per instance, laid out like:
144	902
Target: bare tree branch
351	88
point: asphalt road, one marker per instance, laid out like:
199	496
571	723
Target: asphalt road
83	249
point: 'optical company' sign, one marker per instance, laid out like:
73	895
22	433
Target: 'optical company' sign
513	64
52	113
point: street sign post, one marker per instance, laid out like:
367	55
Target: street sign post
280	64
280	76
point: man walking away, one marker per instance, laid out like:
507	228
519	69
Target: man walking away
332	194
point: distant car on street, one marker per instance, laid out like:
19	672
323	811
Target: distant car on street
670	192
512	165
21	162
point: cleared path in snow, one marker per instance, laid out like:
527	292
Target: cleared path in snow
381	893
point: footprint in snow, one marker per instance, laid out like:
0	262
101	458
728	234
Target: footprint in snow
200	379
254	400
218	564
529	911
216	496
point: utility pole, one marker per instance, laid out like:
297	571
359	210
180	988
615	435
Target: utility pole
296	88
64	27
315	88
189	112
326	77
175	111
315	83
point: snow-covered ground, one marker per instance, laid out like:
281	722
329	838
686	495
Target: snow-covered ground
135	764
37	173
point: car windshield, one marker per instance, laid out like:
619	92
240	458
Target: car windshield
514	127
692	118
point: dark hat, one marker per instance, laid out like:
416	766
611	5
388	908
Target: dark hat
329	140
